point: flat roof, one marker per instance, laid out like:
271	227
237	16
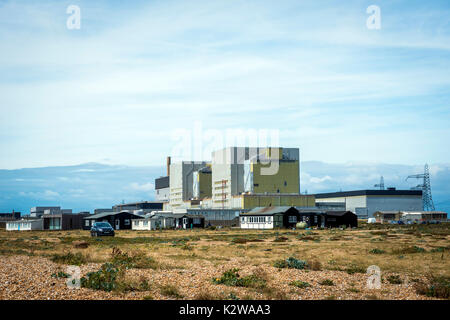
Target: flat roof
368	193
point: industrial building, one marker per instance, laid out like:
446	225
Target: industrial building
410	216
14	215
37	212
202	182
143	206
237	170
364	203
181	181
162	190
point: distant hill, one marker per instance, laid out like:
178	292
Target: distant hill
93	185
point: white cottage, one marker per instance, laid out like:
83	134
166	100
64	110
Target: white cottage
25	225
270	218
154	222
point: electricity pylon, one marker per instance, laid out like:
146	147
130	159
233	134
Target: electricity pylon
381	184
427	200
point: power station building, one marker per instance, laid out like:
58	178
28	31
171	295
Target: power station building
181	181
236	178
364	203
253	171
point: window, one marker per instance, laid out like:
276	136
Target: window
127	222
242	219
292	219
145	223
197	221
86	223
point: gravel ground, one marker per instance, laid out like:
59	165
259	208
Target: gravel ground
27	278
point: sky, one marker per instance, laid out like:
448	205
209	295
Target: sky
90	186
118	90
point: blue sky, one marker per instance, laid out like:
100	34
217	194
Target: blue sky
115	90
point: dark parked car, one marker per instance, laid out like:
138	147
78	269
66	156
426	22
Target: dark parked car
102	229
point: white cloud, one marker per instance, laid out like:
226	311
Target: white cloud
142	187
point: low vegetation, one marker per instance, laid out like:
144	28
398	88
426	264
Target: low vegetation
326	282
69	258
300	284
291	262
435	287
232	278
132	263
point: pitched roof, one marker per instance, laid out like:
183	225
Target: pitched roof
338	213
105	214
267	211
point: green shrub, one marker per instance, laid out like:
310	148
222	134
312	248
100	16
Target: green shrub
292	263
352	269
394	279
60	274
377	251
171	291
300	284
280	239
232	278
105	279
440	249
412	249
437	287
326	282
69	258
136	260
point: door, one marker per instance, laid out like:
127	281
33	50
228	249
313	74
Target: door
117	224
185	222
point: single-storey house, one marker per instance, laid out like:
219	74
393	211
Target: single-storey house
154	222
118	220
434	216
270	218
312	217
335	219
386	216
410	216
24	225
63	221
188	221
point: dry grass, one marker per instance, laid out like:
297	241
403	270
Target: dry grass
407	251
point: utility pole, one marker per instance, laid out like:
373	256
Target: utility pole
427	200
381	184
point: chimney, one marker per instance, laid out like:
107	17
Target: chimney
168	166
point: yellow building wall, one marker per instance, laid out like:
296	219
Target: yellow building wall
252	201
287	179
205	182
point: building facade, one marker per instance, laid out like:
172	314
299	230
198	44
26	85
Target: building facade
238	170
162	190
181	181
364	203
